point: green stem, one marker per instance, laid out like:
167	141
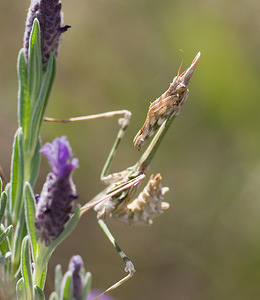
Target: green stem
38	272
40	268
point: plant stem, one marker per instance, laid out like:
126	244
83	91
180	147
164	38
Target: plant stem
40	269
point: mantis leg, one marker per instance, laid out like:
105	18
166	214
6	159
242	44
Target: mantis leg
104	196
129	267
123	123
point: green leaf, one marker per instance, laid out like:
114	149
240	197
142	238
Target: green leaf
4	235
18	274
20	232
23	96
86	286
43	277
68	229
38	293
42	101
26	267
66	292
3	201
5	258
34	63
58	279
4	245
48	81
17	175
20	290
54	296
8	211
35	163
29	202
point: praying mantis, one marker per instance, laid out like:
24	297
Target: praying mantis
118	200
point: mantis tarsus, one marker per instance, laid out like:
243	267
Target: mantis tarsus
117	200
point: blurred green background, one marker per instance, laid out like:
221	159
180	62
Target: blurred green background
122	55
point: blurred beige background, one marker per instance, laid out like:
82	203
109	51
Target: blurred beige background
122	55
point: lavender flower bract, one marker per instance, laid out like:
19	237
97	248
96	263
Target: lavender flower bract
50	17
55	203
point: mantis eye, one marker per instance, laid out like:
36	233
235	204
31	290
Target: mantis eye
180	88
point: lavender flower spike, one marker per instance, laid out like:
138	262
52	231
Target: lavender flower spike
59	154
75	266
50	17
54	205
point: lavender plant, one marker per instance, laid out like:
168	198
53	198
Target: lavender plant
33	225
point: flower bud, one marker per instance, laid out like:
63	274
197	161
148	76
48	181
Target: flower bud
50	17
75	266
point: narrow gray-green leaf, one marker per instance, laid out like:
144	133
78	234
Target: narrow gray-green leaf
35	163
66	291
19	234
17	174
34	63
26	266
23	96
29	202
20	290
4	235
49	80
43	278
86	286
8	209
38	293
4	246
18	274
58	279
42	101
3	201
54	296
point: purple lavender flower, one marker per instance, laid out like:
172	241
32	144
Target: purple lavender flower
75	266
50	17
54	205
94	293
